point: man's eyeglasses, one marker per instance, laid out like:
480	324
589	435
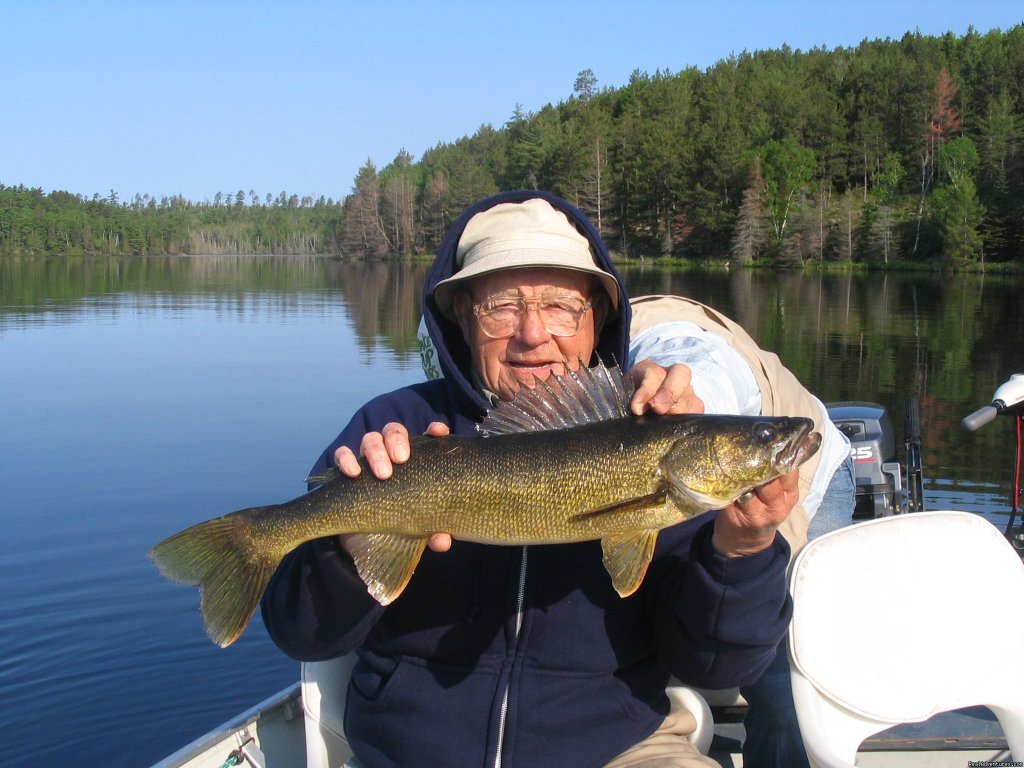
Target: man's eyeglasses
502	316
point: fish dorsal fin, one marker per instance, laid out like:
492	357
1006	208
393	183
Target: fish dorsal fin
324	477
626	558
385	561
583	396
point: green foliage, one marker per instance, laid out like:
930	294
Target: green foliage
958	158
958	217
787	169
888	179
904	148
32	223
856	149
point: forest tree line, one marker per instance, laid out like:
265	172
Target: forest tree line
892	151
63	223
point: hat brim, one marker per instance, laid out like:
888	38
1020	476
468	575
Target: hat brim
444	291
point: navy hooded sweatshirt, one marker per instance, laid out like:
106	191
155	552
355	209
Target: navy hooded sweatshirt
520	656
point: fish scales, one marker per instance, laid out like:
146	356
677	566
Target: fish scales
510	489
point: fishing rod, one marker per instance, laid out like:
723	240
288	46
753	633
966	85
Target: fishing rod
1008	400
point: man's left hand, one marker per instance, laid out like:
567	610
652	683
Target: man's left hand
748	527
663	390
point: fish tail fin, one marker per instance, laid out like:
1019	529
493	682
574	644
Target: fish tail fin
221	558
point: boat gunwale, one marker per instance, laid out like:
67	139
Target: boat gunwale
216	736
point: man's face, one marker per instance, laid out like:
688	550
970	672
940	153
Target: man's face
504	365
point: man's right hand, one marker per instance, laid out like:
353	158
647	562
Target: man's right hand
382	450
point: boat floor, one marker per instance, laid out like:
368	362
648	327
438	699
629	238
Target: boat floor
947	739
272	735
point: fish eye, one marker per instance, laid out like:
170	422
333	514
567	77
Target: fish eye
763	432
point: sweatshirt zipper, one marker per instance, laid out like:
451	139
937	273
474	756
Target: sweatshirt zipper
520	599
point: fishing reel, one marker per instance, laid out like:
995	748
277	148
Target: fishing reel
1008	400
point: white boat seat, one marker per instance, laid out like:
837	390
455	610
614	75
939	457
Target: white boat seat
324	690
698	706
325	686
900	618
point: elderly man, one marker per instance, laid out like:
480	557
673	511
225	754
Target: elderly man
526	656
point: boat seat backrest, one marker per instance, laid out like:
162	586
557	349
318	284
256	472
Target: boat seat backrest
324	689
899	618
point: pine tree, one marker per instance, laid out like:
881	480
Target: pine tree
958	212
750	234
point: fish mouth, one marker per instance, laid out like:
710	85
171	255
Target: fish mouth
800	446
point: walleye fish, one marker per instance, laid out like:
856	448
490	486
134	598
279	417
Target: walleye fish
565	461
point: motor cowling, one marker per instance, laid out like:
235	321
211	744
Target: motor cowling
875	461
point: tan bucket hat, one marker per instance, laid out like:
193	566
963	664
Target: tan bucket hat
519	235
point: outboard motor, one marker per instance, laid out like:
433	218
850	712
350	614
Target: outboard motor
880	480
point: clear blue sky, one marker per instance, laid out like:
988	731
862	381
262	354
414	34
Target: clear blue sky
194	97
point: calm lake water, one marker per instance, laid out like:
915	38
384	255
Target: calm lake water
138	397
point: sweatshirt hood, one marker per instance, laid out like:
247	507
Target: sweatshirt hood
453	354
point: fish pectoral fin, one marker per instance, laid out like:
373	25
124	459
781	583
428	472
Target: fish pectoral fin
626	557
640	504
385	561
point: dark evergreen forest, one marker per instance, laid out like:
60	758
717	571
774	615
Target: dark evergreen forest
893	152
